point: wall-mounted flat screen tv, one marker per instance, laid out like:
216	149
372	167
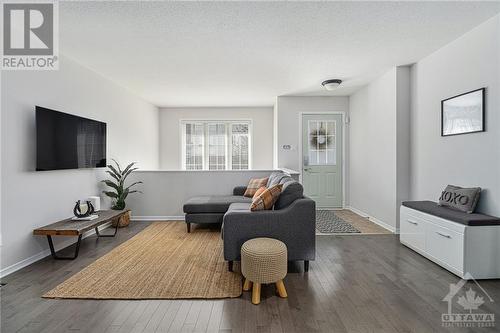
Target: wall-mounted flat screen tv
65	141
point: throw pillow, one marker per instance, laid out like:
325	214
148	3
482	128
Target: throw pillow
253	185
463	199
259	191
266	199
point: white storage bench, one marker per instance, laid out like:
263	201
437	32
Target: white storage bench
460	242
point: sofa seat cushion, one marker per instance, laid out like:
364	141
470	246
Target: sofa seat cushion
212	204
239	206
236	208
451	214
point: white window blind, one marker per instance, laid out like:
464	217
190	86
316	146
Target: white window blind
216	145
194	143
240	139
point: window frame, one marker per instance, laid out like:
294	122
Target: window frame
229	142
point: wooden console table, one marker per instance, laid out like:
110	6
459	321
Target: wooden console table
69	227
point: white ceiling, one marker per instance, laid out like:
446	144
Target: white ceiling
246	54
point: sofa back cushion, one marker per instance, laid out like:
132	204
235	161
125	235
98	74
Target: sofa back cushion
253	185
460	198
291	191
266	199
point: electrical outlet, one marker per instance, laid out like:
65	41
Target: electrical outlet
288	147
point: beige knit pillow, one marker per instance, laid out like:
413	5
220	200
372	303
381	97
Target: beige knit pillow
266	199
253	185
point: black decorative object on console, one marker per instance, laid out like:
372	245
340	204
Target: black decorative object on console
78	209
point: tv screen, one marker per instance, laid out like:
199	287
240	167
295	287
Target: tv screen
65	141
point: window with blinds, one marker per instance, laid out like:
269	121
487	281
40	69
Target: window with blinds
194	157
239	146
216	145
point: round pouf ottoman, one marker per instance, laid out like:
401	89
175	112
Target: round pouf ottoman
263	260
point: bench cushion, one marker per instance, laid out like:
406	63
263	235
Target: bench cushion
212	204
451	214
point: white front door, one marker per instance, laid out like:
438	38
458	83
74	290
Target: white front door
322	159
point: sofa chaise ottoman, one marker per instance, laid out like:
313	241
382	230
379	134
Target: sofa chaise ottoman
211	209
292	221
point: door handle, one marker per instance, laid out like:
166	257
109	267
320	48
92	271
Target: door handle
443	235
307	169
412	222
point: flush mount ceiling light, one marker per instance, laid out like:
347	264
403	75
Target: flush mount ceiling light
331	84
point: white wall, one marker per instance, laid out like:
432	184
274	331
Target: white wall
275	134
262	130
288	110
468	63
372	179
403	127
379	115
31	199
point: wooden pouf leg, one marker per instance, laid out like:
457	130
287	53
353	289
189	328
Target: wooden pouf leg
247	285
281	289
256	293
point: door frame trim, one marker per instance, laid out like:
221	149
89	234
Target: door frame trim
343	117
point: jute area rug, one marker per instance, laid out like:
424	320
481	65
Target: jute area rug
161	262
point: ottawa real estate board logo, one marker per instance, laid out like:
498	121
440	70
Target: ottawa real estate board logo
30	35
465	303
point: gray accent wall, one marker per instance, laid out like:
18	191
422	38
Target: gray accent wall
468	63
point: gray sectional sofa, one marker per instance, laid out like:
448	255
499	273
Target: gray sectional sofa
293	219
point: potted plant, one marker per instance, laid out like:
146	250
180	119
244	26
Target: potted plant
119	192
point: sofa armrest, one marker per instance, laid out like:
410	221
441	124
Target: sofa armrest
294	225
239	190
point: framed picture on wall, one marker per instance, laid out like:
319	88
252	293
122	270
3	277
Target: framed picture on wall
463	113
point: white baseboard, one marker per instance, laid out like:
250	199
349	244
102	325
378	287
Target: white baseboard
39	256
374	219
157	218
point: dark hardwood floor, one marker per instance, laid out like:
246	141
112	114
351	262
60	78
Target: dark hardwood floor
357	284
